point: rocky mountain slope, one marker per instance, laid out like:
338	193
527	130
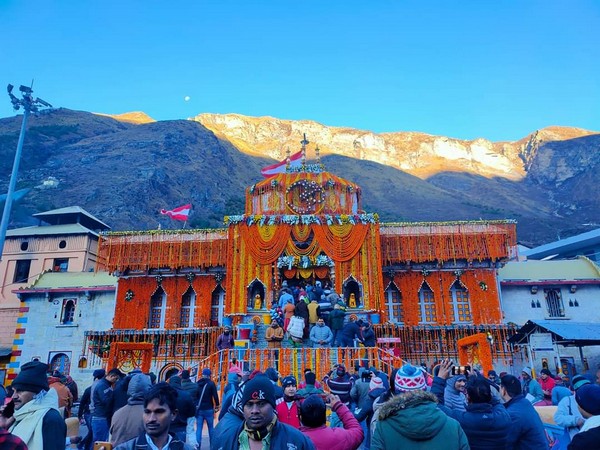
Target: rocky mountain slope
125	169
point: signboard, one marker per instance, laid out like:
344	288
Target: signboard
541	342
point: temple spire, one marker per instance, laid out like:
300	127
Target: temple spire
304	143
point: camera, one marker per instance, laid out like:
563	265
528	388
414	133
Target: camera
460	370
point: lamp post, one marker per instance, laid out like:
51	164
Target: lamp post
29	104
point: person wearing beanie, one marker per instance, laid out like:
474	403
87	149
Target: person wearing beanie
273	375
313	417
339	383
101	406
128	422
302	384
484	419
189	386
527	431
261	427
207	405
530	388
547	384
37	420
364	409
309	386
186	411
288	407
567	413
412	419
588	401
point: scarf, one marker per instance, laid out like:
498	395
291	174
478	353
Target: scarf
29	418
259	435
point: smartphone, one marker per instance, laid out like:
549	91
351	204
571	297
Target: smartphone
459	370
102	445
9	409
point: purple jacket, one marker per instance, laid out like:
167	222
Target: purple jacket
348	438
225	342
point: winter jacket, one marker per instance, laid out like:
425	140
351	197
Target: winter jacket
347	438
359	391
274	336
413	421
141	443
309	389
368	337
84	404
191	388
567	414
225	341
321	333
558	393
350	331
210	399
364	410
185	406
102	399
527	430
288	414
127	422
532	387
314	312
296	327
301	310
39	423
547	385
65	397
336	319
340	386
119	394
589	436
453	398
282	437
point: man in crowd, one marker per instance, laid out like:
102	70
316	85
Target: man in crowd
454	394
527	430
350	332
340	384
274	335
128	421
588	400
321	335
261	428
313	417
288	407
102	394
531	389
160	410
37	420
208	403
412	419
225	340
189	386
186	411
567	413
84	413
336	322
65	397
309	386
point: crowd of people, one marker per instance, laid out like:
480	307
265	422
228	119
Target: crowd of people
363	408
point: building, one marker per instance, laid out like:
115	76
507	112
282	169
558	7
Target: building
585	244
557	305
66	240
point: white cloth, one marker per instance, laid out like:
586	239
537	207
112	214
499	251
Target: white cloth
30	417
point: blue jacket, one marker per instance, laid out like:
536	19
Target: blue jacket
283	437
487	425
527	430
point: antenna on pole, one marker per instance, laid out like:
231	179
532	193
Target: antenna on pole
29	105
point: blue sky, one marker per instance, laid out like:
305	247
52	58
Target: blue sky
463	69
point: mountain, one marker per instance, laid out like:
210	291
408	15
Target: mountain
124	169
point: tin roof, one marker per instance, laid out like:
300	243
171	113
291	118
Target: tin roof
70	280
564	332
560	270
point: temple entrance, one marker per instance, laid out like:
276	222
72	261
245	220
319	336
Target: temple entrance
256	295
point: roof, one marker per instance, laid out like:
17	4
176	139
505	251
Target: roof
568	245
50	230
567	270
5	351
564	332
72	214
52	281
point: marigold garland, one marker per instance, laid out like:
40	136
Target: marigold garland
475	349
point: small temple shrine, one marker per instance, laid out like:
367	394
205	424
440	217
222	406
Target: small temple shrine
424	286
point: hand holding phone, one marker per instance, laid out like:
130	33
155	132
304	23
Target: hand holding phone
102	445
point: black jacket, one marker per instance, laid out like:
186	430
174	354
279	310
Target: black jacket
283	437
84	403
210	399
103	396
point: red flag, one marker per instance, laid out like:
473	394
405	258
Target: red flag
274	169
180	213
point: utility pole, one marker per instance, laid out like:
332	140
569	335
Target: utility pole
29	105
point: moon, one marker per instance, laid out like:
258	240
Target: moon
187	98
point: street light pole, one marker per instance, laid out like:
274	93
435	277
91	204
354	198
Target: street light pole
29	104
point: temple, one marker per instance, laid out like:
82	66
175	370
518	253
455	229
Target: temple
424	286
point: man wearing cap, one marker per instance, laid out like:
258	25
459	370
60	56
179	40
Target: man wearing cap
588	400
208	403
411	419
567	413
225	340
37	420
288	407
261	428
527	430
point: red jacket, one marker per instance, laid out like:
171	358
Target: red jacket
348	438
288	415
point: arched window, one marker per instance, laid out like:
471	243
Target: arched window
393	303
217	303
427	305
157	309
188	304
554	303
68	311
461	306
61	362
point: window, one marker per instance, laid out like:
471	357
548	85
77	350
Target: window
22	271
24	245
68	311
217	303
61	362
427	304
554	303
393	302
461	307
60	265
62	244
157	309
188	302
